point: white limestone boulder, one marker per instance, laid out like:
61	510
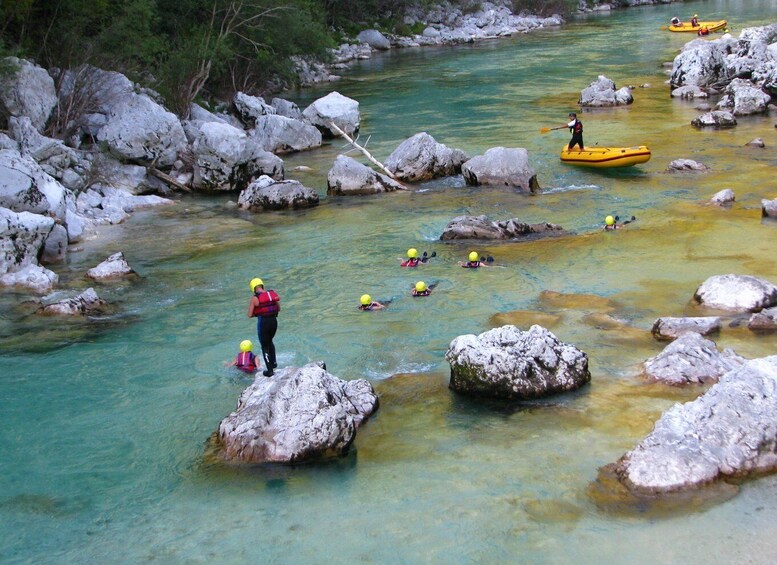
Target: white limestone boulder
715	119
22	237
769	208
738	293
481	227
669	328
114	267
250	108
602	93
279	134
691	359
25	186
349	177
300	414
27	91
502	166
509	363
334	108
765	320
85	304
743	98
420	158
265	193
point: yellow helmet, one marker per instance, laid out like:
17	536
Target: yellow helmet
366	300
473	256
255	282
609	220
696	15
420	286
246	345
412	253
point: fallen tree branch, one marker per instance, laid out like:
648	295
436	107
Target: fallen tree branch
168	179
367	154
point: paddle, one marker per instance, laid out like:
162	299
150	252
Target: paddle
425	258
546	130
633	219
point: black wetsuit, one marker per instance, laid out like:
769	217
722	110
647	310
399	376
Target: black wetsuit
266	327
577	135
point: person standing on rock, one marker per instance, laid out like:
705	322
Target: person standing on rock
576	128
264	306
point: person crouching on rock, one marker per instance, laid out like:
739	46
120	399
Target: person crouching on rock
421	289
246	360
367	304
264	306
576	128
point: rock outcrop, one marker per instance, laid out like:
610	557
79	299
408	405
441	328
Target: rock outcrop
480	227
374	39
349	177
421	158
25	186
668	328
85	304
251	108
504	167
334	108
114	267
685	165
602	92
509	363
300	414
765	320
27	91
729	431
715	119
279	134
723	197
769	208
266	193
739	293
691	359
743	99
22	237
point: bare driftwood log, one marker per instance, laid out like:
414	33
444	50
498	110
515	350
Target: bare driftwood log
168	179
366	153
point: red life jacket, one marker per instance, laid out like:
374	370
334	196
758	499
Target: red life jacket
269	303
246	361
410	262
471	264
578	127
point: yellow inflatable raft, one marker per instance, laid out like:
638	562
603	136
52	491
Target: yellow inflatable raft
687	27
605	157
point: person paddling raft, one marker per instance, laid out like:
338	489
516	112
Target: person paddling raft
264	306
367	304
475	262
245	360
576	129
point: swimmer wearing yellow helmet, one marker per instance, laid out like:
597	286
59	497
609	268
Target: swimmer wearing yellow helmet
611	223
422	289
475	261
246	360
367	304
413	260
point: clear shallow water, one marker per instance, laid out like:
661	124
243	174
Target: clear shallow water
104	424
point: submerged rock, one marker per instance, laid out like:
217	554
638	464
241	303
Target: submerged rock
266	193
668	328
480	227
716	119
729	431
757	143
502	166
691	359
422	158
113	267
300	414
740	293
682	165
509	363
349	177
85	304
765	320
769	208
689	92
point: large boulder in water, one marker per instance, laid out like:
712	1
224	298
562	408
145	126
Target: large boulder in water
502	166
421	158
602	92
701	63
765	320
730	431
715	119
27	90
114	267
347	176
227	159
300	414
739	293
22	237
334	108
668	328
266	193
140	129
769	208
691	359
279	134
480	227
25	186
509	363
85	304
743	98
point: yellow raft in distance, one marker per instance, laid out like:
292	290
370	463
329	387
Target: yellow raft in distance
605	157
687	27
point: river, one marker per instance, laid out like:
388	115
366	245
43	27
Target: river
104	423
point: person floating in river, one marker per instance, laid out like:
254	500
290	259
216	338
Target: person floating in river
367	304
703	30
695	20
576	128
611	223
246	360
413	260
264	306
475	261
421	289
675	21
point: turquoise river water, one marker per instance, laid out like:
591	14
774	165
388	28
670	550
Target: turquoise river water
104	423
